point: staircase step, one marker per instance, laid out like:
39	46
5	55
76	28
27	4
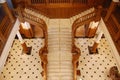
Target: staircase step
66	77
60	74
59	46
59	66
53	78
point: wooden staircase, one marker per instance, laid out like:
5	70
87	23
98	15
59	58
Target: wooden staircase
59	47
62	59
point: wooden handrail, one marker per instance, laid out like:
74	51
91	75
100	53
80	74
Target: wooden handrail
95	15
35	20
44	61
75	60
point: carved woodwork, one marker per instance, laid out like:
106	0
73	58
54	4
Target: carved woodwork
86	19
114	73
59	8
75	62
38	32
44	62
34	20
27	32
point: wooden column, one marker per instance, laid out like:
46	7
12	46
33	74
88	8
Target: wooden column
26	49
111	8
92	29
8	12
93	49
27	30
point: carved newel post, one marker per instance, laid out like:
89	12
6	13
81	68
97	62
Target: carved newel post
92	29
27	30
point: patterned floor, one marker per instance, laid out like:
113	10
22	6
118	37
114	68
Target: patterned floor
20	66
27	67
95	66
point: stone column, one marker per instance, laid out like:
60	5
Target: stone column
7	10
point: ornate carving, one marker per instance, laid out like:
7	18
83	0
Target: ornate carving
114	73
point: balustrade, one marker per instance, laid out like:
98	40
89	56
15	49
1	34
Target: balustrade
37	1
85	17
33	17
